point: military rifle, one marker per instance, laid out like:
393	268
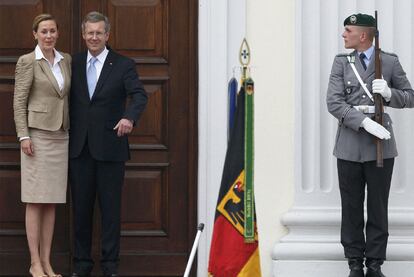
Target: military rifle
378	102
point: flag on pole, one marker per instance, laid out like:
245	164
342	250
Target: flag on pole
234	247
232	96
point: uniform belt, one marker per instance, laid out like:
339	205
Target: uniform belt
366	108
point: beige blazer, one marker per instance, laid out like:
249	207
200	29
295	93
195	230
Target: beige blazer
38	102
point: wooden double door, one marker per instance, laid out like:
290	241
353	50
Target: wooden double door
159	194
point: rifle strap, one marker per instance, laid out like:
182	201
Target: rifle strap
359	79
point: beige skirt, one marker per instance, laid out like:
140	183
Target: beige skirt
45	174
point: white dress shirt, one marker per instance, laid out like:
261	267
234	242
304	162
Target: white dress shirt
54	67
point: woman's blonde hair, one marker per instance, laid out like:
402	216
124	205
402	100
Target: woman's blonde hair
42	17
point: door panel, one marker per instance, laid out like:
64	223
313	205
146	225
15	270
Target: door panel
159	193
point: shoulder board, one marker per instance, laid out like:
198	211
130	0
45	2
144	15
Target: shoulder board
343	55
388	53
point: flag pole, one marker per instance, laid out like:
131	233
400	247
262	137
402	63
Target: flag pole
200	228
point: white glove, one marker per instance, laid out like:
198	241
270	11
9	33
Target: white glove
380	86
375	129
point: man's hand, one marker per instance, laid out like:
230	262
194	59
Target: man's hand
27	147
124	127
375	129
380	86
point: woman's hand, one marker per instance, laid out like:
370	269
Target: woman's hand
27	147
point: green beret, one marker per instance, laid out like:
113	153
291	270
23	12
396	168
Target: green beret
360	19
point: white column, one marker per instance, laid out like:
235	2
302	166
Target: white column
221	31
312	247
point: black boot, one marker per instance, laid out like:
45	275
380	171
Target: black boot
356	267
374	268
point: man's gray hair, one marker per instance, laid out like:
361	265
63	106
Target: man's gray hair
94	17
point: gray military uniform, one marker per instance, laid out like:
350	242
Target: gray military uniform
352	142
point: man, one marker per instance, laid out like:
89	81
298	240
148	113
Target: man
355	147
102	80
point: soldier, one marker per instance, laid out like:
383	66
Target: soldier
349	99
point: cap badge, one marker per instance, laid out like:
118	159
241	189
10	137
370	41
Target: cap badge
353	19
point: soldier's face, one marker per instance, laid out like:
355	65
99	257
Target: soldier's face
352	36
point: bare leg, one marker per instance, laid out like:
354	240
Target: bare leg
33	222
46	237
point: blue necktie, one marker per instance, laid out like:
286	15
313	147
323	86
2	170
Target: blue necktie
362	56
91	75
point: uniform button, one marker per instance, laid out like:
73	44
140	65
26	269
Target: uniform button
363	96
349	82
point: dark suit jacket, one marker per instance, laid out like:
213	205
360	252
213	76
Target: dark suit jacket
93	120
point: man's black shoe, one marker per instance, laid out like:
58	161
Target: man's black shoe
374	273
356	273
356	267
374	268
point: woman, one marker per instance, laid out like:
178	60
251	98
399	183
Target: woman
42	85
